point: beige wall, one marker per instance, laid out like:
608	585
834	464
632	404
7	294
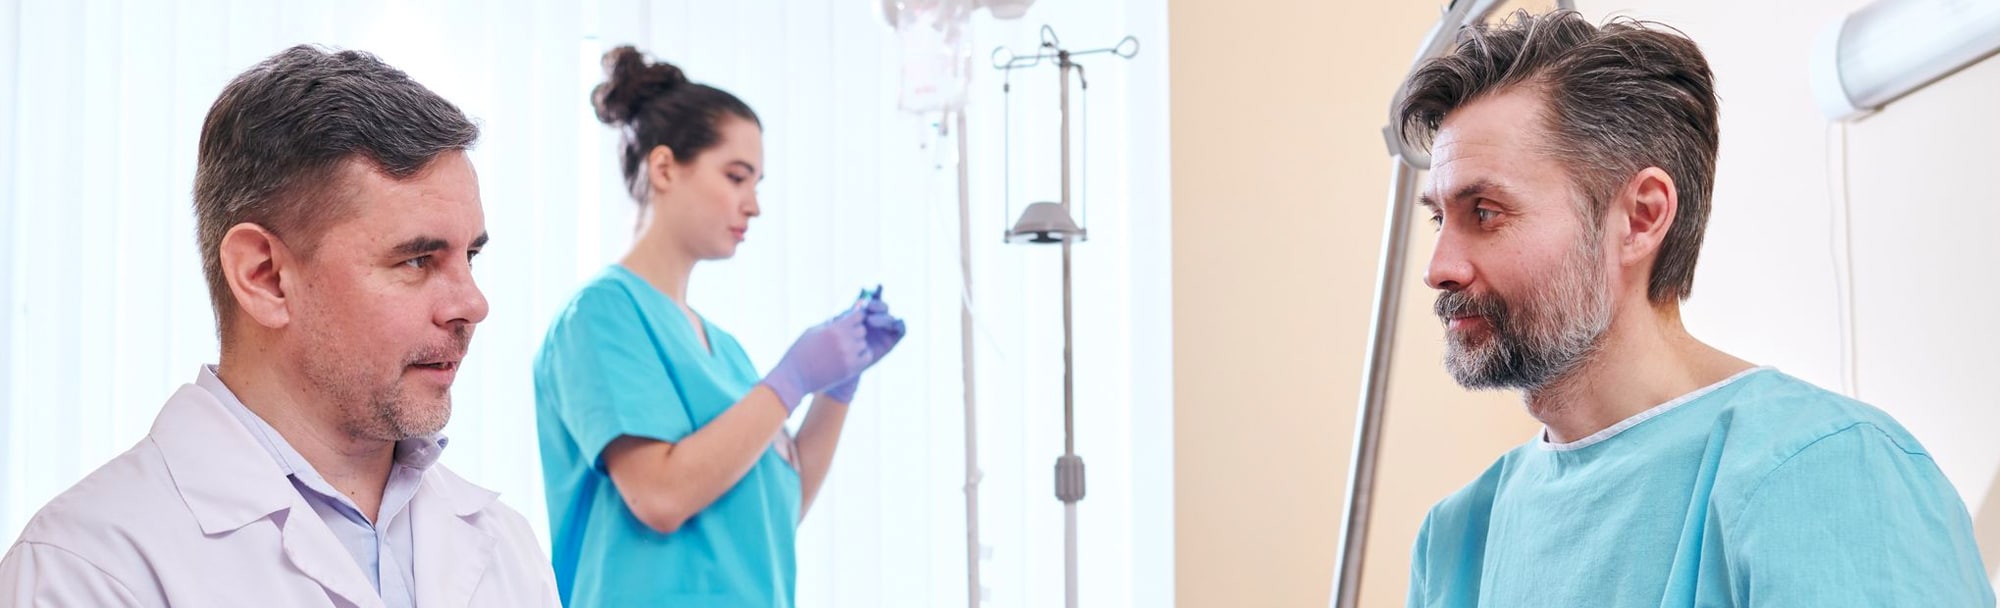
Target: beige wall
1279	181
1279	177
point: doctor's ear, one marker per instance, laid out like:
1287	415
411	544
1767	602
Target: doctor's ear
253	261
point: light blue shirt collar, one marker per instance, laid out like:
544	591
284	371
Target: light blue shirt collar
383	549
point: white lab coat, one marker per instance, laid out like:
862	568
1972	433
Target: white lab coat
198	514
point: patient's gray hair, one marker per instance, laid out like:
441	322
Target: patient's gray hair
1619	98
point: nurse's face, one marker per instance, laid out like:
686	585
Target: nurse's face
388	302
1520	272
708	202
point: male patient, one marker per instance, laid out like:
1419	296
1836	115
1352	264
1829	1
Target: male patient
338	216
1570	183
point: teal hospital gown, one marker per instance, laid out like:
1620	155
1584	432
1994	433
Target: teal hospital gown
1760	491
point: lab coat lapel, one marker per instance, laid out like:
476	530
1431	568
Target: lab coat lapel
229	482
453	553
225	478
311	548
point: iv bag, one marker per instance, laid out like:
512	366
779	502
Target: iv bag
935	38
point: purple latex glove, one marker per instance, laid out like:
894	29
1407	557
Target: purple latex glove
828	354
884	332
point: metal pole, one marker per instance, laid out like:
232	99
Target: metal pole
965	353
1374	386
1069	386
1069	468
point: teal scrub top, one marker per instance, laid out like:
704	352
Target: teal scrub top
1761	491
623	359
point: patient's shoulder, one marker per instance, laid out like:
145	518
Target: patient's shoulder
1775	416
1768	425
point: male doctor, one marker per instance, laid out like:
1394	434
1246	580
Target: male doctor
338	217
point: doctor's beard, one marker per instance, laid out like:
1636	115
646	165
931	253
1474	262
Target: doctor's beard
391	410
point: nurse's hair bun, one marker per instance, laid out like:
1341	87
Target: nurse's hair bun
653	105
630	83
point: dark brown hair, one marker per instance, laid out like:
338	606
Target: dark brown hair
654	104
1618	99
274	140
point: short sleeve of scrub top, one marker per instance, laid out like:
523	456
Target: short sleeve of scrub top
598	356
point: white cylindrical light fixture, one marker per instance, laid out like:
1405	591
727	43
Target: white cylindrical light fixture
1889	48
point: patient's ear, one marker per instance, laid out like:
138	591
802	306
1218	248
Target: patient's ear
1642	214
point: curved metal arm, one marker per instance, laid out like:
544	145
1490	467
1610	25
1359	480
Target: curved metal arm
1442	36
1051	48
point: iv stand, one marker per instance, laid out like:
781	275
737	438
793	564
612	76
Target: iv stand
1069	476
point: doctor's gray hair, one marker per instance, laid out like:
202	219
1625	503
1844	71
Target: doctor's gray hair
273	142
1617	99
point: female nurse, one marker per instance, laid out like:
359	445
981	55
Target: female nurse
671	479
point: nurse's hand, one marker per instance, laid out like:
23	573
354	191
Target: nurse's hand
884	332
826	355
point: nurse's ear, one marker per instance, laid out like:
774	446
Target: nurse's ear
662	171
252	259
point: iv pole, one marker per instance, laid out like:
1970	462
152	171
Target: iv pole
1040	224
1405	163
972	474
